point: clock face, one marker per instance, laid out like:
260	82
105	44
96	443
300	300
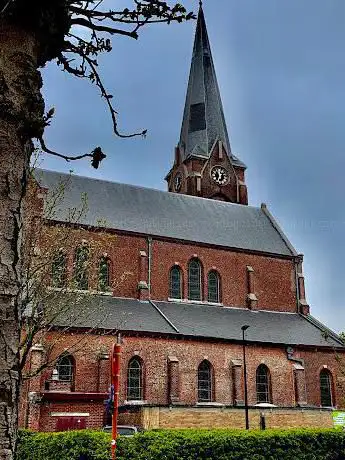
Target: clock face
220	175
177	182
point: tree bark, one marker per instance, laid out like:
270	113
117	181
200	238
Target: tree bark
21	118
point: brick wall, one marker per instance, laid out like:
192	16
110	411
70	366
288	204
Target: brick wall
157	353
196	177
122	251
126	267
94	420
315	361
269	273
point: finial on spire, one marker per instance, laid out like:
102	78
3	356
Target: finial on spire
200	3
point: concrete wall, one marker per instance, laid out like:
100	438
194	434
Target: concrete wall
182	417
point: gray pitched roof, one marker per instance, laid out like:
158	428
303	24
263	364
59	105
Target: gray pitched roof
203	119
197	320
153	212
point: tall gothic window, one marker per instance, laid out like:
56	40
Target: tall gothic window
213	287
263	384
205	378
104	274
65	368
135	380
326	388
58	274
175	288
81	261
194	280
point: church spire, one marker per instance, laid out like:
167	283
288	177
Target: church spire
203	119
204	164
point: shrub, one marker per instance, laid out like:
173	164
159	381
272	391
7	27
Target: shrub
67	445
307	444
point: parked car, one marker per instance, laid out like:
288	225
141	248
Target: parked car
123	430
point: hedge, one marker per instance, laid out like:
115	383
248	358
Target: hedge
306	444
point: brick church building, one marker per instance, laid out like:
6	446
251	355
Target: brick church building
179	274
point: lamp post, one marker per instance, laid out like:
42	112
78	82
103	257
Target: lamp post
244	328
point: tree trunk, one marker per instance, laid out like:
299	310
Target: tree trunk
21	115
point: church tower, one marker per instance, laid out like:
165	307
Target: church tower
204	164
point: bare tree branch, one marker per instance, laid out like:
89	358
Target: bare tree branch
84	23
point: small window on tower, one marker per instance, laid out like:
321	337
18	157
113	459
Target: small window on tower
197	120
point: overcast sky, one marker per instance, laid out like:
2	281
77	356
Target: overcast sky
281	70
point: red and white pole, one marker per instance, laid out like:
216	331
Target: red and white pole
115	381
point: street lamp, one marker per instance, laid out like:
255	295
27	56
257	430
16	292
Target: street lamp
244	328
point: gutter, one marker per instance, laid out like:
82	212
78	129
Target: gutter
290	357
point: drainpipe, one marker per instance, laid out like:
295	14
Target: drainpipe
290	356
149	252
296	264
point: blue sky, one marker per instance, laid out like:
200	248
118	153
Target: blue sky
281	70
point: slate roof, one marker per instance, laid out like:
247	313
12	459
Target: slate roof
164	214
198	321
203	118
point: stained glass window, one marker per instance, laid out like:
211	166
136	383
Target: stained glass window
175	283
58	275
134	380
213	287
263	384
205	382
194	280
81	267
64	367
326	388
104	274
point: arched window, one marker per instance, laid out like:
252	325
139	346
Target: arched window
213	287
104	274
81	267
65	368
58	275
263	384
326	388
194	280
175	289
205	381
135	380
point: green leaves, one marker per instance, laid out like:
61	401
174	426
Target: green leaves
189	444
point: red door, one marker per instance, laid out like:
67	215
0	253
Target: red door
70	423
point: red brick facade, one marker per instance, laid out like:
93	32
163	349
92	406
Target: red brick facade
192	378
170	365
232	268
161	385
196	177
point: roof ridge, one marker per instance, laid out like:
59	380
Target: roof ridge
141	187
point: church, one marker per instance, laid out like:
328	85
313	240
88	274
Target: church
189	279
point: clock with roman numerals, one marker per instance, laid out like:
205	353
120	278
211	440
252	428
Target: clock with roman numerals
177	182
219	175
